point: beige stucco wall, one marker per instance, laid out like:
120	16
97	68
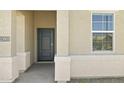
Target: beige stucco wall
62	33
43	19
29	35
25	33
84	63
119	32
80	32
20	32
13	34
80	65
27	24
79	27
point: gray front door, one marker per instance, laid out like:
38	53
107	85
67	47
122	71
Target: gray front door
45	38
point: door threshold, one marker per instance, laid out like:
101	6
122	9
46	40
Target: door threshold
40	62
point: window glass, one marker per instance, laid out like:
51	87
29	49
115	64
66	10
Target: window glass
103	22
102	41
102	29
97	26
97	18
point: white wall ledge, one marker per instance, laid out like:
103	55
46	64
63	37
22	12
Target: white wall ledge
23	60
62	59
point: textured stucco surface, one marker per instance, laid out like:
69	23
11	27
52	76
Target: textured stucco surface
80	32
62	33
25	39
80	36
85	63
119	32
25	32
74	38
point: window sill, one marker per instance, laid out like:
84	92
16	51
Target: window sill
102	52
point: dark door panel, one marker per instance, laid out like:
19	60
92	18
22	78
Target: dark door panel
45	44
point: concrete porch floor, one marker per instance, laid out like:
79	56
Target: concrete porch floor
44	73
38	73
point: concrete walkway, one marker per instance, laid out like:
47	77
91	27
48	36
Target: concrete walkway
38	73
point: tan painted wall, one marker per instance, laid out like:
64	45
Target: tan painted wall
43	19
25	28
27	23
29	36
83	62
13	34
62	33
119	32
80	32
20	31
89	65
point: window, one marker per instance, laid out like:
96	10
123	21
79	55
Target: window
102	31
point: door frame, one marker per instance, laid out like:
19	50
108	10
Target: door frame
36	45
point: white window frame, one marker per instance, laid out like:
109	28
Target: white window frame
113	32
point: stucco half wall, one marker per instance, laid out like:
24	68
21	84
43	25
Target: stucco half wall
88	66
97	66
